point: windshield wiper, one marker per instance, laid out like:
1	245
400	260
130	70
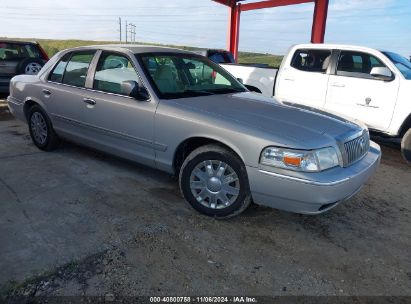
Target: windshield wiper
228	90
201	92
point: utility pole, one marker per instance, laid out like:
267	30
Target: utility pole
130	32
134	33
119	23
126	31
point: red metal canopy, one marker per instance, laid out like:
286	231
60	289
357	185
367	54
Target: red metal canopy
235	9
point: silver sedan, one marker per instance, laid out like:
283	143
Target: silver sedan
179	112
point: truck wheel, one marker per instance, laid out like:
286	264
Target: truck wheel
214	181
406	146
41	129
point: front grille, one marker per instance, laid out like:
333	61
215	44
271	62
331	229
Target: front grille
356	148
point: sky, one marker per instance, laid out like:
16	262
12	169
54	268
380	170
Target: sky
381	24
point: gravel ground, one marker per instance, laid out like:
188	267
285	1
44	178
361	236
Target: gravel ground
76	222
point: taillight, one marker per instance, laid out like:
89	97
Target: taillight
43	52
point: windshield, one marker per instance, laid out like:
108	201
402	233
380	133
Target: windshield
178	75
401	63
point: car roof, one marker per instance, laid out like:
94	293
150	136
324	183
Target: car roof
17	41
334	46
134	48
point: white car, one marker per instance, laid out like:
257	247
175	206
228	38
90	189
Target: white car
358	82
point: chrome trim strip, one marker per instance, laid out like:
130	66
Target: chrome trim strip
96	91
305	181
143	142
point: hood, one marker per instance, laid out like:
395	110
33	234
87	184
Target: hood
300	128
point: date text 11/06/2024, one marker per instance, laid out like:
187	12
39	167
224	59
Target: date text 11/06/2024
239	299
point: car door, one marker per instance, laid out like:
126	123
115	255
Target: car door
304	79
64	92
116	122
352	91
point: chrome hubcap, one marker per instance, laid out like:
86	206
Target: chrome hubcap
214	184
32	68
38	127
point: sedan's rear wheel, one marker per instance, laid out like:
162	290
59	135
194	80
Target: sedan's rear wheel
214	181
41	129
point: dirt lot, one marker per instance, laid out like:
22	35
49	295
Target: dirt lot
76	222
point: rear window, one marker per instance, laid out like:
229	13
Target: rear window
76	69
18	51
221	57
57	74
311	60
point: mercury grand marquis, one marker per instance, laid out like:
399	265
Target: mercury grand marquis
178	112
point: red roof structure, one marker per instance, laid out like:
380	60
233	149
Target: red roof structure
235	9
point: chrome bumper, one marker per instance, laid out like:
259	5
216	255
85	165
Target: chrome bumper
312	193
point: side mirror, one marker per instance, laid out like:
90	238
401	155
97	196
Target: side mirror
133	89
240	80
382	73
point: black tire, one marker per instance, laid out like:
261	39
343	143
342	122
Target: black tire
51	140
25	64
218	154
406	146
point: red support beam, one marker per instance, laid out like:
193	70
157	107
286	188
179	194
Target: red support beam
234	30
235	9
271	3
319	21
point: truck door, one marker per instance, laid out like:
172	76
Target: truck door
304	79
352	91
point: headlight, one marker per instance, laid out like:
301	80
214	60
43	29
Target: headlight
309	161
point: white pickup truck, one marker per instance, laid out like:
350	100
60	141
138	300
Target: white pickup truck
358	82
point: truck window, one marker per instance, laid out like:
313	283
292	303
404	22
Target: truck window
357	64
311	60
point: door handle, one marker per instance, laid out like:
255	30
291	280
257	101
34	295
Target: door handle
337	84
289	79
89	101
46	92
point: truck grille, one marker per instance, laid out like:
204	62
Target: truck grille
356	148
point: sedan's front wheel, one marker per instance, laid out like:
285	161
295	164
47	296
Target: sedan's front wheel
214	181
41	129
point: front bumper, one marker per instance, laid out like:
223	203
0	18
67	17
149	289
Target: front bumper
312	195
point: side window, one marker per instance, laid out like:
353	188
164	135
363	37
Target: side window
76	69
217	58
56	74
357	64
112	70
311	60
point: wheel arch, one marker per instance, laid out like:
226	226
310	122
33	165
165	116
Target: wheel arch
190	144
28	103
405	126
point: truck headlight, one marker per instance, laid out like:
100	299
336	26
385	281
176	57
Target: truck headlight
309	161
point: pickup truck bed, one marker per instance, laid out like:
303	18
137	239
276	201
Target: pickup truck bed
255	77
